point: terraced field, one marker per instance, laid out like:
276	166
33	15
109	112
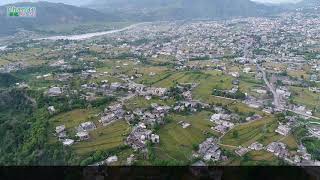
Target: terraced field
104	138
262	131
141	102
305	97
176	142
74	118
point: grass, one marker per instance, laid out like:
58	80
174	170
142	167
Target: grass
73	118
104	138
141	102
244	108
168	79
305	97
111	79
299	74
291	142
122	157
3	62
254	158
204	91
29	56
181	77
176	143
251	132
110	64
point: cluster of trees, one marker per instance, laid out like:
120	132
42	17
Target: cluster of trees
259	51
100	155
237	95
176	93
7	79
312	145
25	127
23	133
200	58
68	103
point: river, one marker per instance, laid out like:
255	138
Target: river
88	35
2	48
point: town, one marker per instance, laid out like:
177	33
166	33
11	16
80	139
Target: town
244	91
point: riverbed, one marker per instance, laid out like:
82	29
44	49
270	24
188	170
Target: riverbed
2	48
88	35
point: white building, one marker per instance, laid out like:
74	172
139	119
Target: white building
68	142
283	129
54	91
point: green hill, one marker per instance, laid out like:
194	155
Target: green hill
50	14
182	9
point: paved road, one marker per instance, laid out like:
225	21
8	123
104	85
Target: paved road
276	99
303	114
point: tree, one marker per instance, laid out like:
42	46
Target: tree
195	147
235	134
281	117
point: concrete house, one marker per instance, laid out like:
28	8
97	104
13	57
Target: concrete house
209	150
83	135
155	138
283	129
61	132
87	126
54	91
256	146
51	109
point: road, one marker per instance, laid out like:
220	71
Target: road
276	99
303	114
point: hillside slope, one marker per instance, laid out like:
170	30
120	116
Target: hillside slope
50	14
182	9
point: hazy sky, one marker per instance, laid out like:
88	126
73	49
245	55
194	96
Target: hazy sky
72	2
277	1
81	2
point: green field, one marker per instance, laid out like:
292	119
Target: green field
169	78
74	118
27	56
204	91
291	142
252	132
303	96
104	138
141	102
261	131
176	143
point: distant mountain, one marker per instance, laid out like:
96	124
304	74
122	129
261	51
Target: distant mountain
70	2
309	3
49	14
182	9
304	4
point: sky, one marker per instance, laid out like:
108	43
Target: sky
81	2
277	1
72	2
